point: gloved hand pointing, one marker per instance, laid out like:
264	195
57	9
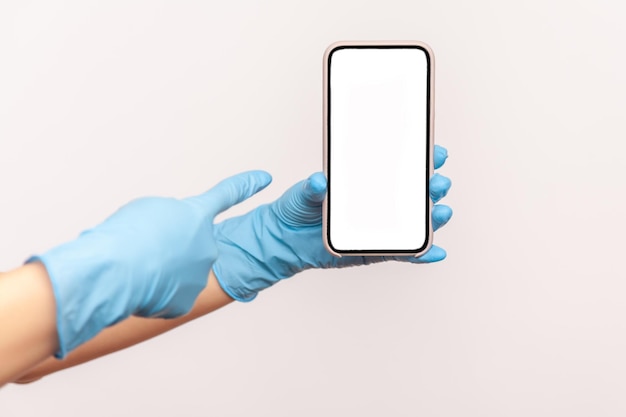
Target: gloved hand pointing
278	240
151	258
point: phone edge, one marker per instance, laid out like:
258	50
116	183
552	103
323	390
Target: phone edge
431	141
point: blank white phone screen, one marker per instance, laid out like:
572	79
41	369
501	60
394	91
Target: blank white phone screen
378	148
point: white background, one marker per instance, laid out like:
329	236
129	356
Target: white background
378	139
101	102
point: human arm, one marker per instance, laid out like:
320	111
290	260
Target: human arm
151	258
130	332
27	320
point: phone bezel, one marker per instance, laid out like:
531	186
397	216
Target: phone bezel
429	151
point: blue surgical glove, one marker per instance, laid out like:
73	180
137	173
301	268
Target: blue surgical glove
277	240
151	258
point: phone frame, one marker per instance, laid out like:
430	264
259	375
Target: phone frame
429	151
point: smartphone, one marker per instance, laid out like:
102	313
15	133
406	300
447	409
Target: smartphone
378	147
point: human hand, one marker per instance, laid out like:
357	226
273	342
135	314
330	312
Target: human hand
151	258
277	240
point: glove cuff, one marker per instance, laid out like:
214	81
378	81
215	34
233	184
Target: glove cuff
243	267
87	295
239	293
255	251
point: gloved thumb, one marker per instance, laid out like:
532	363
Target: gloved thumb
231	191
301	205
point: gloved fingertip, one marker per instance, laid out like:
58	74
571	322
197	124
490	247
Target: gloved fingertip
232	191
434	254
438	254
441	215
440	156
437	179
439	187
315	186
261	179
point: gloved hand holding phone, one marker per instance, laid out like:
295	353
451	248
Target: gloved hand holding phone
275	241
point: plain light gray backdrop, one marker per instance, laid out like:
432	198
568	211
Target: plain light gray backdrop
101	102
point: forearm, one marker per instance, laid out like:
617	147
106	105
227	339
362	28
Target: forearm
130	332
27	320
